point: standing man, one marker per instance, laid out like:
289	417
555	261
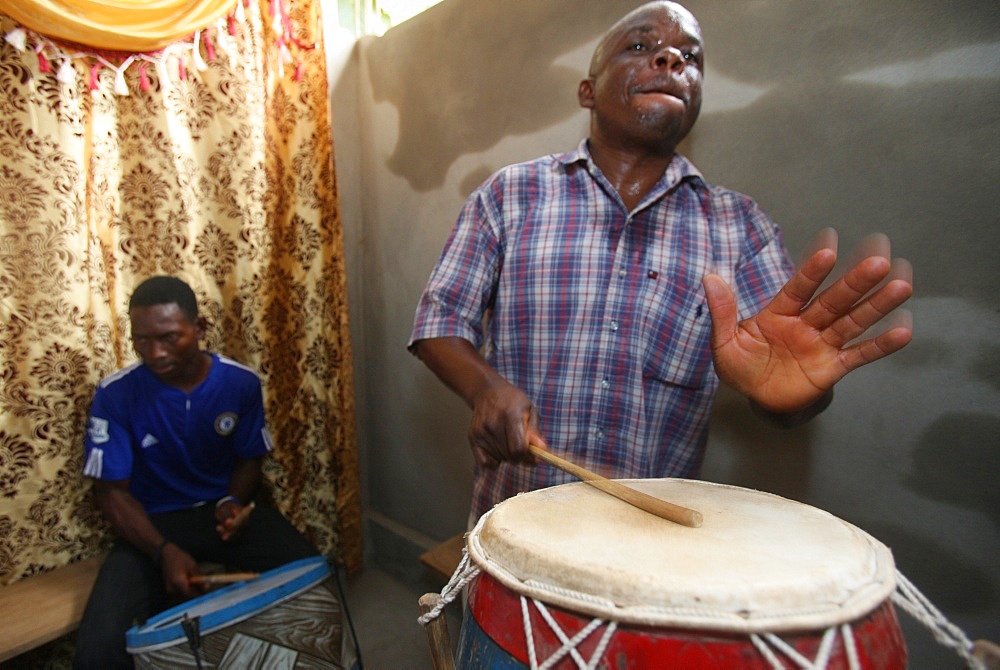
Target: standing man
174	444
589	302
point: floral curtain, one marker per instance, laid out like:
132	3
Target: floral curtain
210	159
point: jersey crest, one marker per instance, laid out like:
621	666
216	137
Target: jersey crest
225	423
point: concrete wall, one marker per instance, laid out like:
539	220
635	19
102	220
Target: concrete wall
863	116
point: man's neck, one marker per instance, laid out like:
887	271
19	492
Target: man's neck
632	173
196	376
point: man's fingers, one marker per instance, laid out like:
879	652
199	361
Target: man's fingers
895	289
868	271
795	295
484	458
897	334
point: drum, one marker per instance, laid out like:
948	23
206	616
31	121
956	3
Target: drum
569	577
287	618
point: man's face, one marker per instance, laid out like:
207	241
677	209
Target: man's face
167	340
645	82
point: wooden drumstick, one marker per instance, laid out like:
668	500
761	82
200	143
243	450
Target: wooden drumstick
243	514
644	501
230	578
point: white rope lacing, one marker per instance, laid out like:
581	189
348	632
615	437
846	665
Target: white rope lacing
765	642
906	596
464	574
569	645
909	598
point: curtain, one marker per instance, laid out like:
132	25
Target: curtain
120	25
210	159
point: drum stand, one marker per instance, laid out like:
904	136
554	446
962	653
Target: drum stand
437	633
191	628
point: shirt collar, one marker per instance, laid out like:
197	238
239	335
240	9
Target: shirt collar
680	168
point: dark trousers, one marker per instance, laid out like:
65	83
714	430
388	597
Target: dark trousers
129	587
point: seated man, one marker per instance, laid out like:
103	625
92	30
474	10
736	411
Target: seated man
174	443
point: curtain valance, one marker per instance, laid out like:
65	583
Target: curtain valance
117	25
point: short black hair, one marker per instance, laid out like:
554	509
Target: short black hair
164	290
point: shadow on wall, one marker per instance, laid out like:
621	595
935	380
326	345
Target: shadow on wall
950	465
453	99
957	462
865	119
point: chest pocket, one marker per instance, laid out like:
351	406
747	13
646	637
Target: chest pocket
676	327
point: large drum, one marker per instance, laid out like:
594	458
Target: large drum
569	577
286	618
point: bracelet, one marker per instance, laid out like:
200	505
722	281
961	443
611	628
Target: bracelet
158	559
225	499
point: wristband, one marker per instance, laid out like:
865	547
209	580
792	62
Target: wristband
225	499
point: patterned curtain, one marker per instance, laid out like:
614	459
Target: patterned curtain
212	160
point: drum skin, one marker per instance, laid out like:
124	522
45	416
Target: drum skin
761	572
288	617
493	637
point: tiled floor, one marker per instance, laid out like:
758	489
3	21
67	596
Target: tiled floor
385	611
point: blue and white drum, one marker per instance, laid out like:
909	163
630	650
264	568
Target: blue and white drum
286	618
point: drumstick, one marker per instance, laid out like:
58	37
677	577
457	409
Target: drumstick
645	502
230	578
243	514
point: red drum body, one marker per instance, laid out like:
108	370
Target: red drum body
570	577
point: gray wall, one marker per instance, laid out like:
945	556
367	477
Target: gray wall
858	115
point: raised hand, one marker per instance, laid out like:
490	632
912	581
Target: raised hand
792	352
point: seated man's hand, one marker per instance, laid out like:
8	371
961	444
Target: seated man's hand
178	568
231	517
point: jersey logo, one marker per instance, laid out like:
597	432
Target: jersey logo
148	441
98	430
225	423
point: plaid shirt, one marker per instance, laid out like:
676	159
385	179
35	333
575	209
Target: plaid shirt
598	314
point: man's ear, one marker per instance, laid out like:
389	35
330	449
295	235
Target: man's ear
585	93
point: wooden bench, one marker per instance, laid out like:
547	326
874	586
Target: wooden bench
44	607
445	557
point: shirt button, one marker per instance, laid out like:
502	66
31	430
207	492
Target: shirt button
614	326
599	433
622	273
605	384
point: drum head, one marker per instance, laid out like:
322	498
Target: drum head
229	605
758	563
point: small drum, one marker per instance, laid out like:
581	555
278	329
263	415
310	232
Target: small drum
286	618
569	577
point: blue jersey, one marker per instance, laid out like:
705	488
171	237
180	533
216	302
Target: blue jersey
176	449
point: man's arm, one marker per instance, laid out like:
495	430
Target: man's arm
130	522
503	417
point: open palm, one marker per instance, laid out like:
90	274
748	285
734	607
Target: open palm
793	351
